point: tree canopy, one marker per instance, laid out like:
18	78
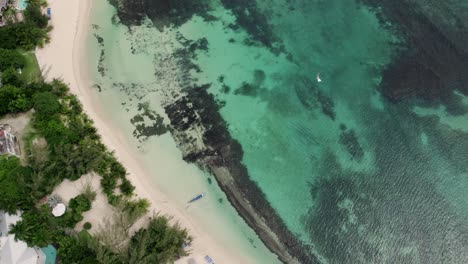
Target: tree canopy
158	243
11	58
46	105
12	189
13	100
33	14
28	34
11	76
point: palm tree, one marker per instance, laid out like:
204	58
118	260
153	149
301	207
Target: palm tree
21	231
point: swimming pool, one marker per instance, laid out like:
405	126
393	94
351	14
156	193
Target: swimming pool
51	253
22	4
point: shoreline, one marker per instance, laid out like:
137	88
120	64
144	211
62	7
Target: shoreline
63	58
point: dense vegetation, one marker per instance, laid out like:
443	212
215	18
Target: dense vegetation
72	149
158	243
29	33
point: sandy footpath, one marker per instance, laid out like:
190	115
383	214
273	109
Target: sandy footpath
64	58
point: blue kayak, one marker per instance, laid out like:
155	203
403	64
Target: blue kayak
198	197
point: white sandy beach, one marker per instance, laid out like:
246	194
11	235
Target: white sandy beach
64	57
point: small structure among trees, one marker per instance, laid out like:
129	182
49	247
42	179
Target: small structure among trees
3	3
3	7
8	142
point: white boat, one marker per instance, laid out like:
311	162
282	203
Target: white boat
318	77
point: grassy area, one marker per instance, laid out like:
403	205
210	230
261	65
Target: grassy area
31	71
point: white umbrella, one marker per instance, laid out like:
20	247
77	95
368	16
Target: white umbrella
59	210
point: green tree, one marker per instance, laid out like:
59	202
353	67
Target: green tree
34	228
134	210
7	38
46	105
33	14
13	100
76	249
12	77
22	35
11	59
80	204
158	243
59	88
75	160
19	104
54	131
12	185
31	89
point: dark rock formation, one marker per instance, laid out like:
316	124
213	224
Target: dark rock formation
222	156
434	62
311	98
327	105
161	12
152	126
100	67
247	89
252	20
349	141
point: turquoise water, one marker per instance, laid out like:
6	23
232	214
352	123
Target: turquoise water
50	253
284	142
358	177
22	4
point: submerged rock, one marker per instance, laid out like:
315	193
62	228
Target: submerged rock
349	140
161	12
434	60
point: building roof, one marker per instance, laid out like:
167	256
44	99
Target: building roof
7	141
3	3
16	252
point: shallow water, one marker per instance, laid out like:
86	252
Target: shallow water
126	87
362	179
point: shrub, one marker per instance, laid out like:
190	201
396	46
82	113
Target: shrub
126	187
76	249
117	169
134	209
59	88
87	226
80	204
108	184
69	219
158	243
113	199
88	191
76	206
